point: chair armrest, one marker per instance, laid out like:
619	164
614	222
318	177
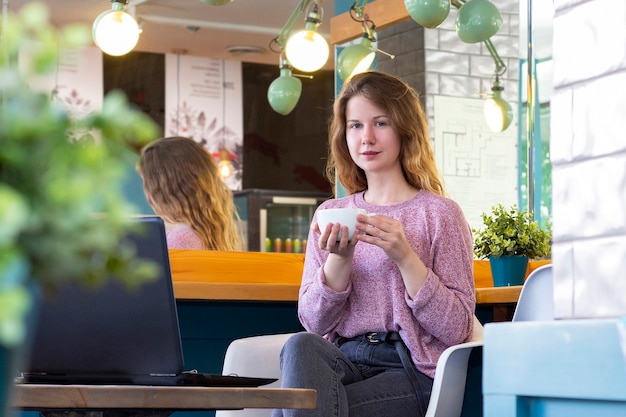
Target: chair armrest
448	391
256	356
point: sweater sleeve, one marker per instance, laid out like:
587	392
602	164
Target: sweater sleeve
445	304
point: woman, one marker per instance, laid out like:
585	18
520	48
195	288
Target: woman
379	309
181	183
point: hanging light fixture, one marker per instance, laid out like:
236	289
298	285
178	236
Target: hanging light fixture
428	13
307	50
224	166
477	20
359	57
115	31
284	92
498	112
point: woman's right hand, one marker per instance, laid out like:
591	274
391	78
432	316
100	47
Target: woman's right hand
328	240
339	262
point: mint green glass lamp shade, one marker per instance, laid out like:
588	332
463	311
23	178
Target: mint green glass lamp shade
355	59
477	21
284	92
428	13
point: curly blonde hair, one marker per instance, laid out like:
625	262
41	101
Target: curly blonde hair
181	183
403	107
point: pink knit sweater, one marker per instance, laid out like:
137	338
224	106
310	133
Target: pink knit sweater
183	237
442	311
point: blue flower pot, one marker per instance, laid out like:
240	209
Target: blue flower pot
508	270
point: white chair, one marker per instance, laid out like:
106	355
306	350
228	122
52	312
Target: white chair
536	301
448	393
259	356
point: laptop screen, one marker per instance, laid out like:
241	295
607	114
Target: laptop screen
113	331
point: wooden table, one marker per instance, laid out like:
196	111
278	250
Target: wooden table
498	295
150	400
502	300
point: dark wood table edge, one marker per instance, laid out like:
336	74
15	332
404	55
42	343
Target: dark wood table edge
131	397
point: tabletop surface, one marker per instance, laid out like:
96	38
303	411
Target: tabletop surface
498	295
45	397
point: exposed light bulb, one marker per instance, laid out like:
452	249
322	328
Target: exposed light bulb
115	31
307	50
497	111
224	166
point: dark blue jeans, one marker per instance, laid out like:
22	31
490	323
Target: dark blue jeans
356	379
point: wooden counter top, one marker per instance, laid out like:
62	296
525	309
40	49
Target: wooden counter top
236	276
268	276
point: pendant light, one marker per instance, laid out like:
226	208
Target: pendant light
284	92
115	31
355	59
300	51
477	21
307	50
428	13
224	166
497	111
359	57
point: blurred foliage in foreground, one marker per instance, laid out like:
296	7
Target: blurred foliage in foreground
62	211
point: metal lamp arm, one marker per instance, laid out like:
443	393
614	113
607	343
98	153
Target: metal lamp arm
359	8
500	65
282	37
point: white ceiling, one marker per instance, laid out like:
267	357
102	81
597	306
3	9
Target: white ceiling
197	28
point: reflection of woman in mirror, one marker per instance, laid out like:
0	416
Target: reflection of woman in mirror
181	183
380	308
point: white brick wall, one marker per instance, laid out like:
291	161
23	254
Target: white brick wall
588	153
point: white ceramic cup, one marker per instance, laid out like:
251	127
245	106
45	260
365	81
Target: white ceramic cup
343	216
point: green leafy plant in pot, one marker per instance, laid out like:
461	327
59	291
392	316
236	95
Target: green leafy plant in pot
509	239
62	208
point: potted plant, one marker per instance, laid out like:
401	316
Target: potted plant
510	238
61	198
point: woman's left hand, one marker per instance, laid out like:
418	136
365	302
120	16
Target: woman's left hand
385	232
388	234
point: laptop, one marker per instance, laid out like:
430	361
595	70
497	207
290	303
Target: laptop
114	335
